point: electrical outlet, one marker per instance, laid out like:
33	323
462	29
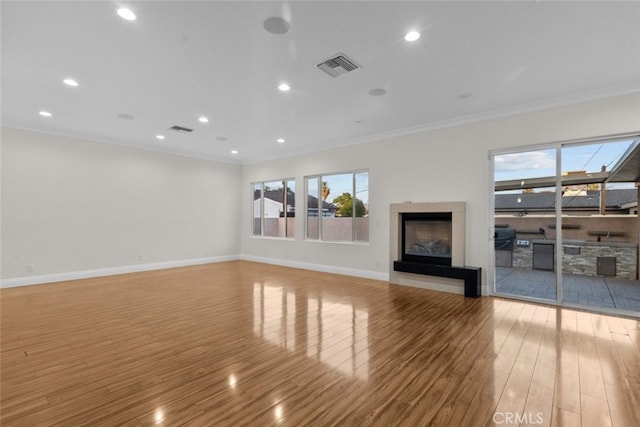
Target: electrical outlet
30	268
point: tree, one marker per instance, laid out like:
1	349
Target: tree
325	190
345	206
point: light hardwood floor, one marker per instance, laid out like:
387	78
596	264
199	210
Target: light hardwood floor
242	343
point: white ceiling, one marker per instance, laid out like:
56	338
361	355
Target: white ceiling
182	59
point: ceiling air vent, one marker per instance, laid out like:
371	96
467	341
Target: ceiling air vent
180	129
338	65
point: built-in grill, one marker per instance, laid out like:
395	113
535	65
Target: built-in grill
504	239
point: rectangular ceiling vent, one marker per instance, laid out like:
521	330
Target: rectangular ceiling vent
180	129
338	65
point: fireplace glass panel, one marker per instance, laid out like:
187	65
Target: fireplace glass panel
427	238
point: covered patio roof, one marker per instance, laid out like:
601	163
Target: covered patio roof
626	170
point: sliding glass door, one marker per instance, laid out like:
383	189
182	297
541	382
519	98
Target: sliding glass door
566	226
525	220
599	227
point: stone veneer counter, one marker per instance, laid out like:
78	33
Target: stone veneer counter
585	262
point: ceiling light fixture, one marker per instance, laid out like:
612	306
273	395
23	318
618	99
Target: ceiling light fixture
280	140
412	36
203	119
70	82
126	14
160	137
284	87
45	114
234	151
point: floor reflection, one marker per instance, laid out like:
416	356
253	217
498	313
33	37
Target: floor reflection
333	332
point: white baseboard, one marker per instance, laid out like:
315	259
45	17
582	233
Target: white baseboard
451	286
367	274
110	271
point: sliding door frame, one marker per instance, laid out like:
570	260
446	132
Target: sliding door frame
558	146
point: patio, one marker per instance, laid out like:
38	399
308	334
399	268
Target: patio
599	291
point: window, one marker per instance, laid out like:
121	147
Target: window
274	208
338	207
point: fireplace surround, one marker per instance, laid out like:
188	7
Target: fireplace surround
427	247
429	211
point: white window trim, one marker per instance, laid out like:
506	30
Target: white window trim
261	235
319	177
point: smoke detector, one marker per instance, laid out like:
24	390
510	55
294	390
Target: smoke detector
338	65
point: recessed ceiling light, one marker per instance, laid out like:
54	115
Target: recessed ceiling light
377	92
161	137
126	14
284	87
412	36
203	119
45	114
70	82
222	138
234	151
280	140
126	116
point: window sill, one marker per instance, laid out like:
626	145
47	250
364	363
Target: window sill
291	239
338	242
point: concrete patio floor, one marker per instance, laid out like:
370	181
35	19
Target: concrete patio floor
596	291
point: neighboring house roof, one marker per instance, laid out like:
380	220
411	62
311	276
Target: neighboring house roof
616	199
312	202
278	196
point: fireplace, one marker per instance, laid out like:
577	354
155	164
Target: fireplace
426	237
427	247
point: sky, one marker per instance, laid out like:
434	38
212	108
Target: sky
541	163
343	183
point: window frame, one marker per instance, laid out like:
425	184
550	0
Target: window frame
289	234
321	217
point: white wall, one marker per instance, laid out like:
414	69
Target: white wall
447	164
72	205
